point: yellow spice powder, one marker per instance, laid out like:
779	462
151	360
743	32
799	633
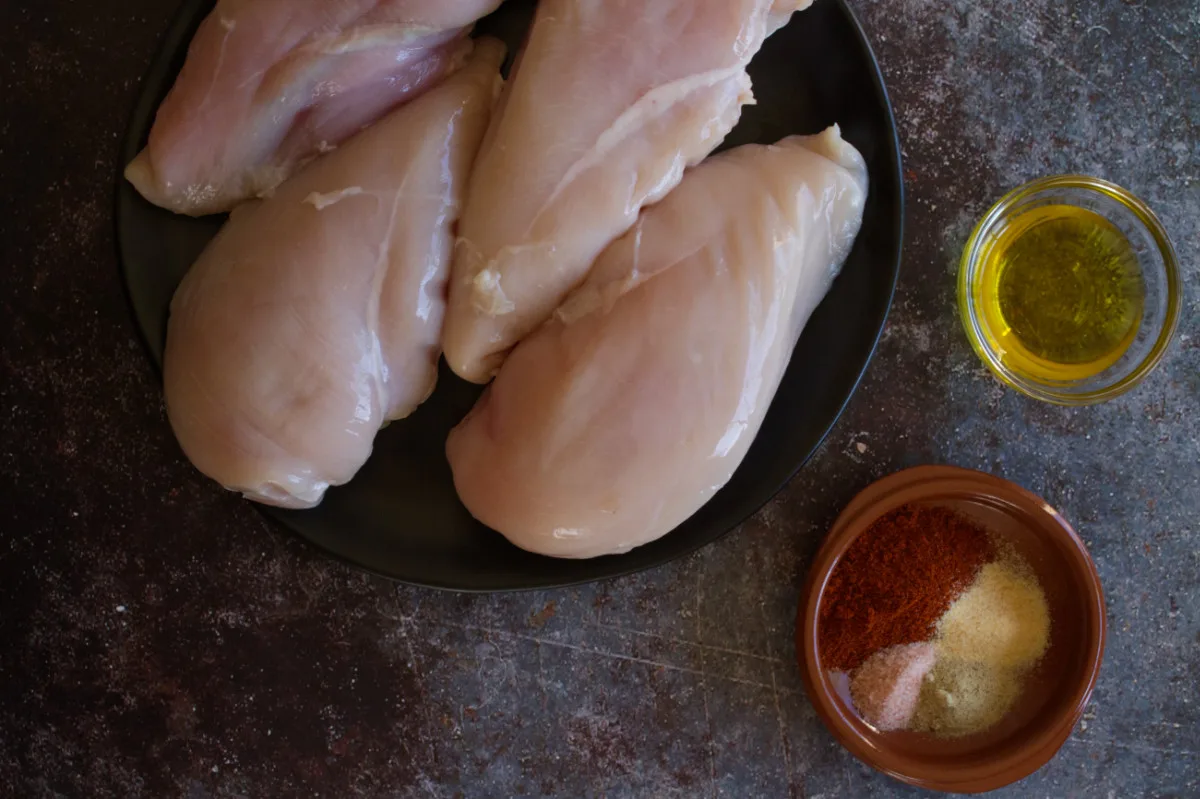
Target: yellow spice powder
959	697
986	642
1002	620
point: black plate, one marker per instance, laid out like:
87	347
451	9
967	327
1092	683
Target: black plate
400	517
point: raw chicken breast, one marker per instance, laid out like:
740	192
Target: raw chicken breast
315	316
609	102
617	419
270	83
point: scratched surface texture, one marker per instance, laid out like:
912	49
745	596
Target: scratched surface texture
158	638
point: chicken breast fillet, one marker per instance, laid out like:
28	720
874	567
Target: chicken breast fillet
315	317
610	101
625	413
268	84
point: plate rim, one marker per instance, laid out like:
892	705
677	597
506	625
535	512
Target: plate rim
145	107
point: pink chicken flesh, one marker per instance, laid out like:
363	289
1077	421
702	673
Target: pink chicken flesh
627	411
610	101
268	84
315	316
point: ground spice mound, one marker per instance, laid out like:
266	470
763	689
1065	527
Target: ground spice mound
896	580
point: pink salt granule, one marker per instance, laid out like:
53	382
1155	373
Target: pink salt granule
886	686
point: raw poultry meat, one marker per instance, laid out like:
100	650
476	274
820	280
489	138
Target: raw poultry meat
609	102
315	316
623	414
268	84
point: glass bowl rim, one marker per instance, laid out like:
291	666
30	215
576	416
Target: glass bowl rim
1048	392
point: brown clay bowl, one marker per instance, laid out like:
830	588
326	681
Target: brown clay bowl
1056	692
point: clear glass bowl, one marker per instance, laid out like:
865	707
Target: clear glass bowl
1156	258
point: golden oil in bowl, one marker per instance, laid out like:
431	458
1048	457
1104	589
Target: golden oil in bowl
1063	293
1069	289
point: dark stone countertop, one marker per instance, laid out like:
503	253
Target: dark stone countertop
159	638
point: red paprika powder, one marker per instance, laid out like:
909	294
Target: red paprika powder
896	580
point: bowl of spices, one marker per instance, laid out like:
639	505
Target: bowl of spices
1069	290
951	629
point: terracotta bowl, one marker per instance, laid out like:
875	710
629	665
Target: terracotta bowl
1057	690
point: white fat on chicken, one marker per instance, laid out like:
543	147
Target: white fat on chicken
621	416
315	317
610	101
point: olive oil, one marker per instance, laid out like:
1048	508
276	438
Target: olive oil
1062	293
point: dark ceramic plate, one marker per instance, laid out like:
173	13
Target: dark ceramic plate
400	517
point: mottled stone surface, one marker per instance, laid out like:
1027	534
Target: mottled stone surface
158	638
